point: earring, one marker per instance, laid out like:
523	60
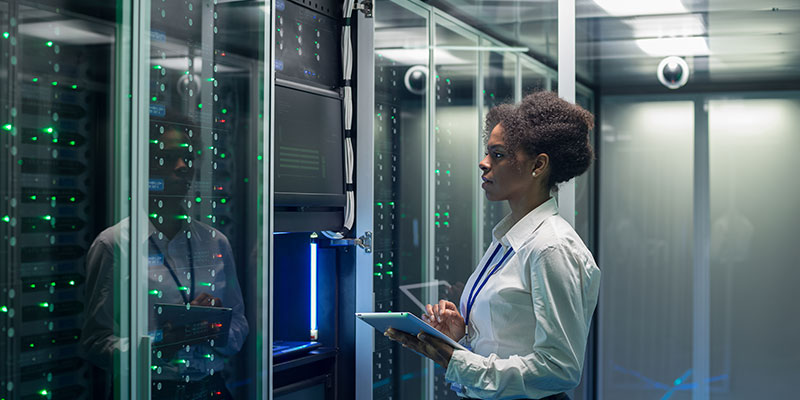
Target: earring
534	174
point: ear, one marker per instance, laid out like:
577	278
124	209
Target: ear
541	164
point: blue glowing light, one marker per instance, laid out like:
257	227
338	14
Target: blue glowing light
313	286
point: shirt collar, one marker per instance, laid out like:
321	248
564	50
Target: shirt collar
515	235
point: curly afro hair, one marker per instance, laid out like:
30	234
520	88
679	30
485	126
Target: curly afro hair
545	123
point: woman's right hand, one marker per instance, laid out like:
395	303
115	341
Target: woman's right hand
446	319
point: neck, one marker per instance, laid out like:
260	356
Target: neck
526	203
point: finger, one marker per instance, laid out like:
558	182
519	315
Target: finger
429	309
443	308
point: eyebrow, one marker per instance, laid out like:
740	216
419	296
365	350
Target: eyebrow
496	147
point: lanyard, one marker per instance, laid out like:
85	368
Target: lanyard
473	294
175	277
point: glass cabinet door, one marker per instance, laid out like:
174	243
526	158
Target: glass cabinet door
455	173
498	73
401	143
203	232
63	272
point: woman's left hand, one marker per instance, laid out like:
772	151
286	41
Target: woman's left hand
427	345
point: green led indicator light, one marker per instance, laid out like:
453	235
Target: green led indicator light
223	201
33	286
157	67
49	43
153	367
33	197
72	199
246	180
378	274
35	79
153	215
4	309
260	158
198	199
447	80
49	129
447	172
180	361
52	283
390	273
54	83
72	143
209	216
6	35
436	214
200	105
224	110
34	138
55	140
184	144
72	283
378	264
446	214
205	283
53	198
182	216
154	98
154	141
379	114
183	288
222	155
379	204
437	223
437	171
391	203
8	127
279	29
47	217
446	223
74	86
44	304
207	355
210	79
154	292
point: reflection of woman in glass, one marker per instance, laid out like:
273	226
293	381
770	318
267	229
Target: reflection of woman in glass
525	311
189	264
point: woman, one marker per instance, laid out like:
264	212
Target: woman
525	311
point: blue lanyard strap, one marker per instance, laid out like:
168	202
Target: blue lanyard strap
473	294
174	276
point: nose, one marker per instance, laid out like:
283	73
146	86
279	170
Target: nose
180	166
484	164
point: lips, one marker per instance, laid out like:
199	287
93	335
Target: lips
483	178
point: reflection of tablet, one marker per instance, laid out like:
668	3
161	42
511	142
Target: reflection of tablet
178	325
406	322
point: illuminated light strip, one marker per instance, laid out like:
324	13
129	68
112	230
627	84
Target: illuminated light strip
313	260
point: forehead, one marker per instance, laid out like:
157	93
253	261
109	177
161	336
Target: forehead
496	136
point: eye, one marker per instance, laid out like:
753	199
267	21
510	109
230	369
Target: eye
497	155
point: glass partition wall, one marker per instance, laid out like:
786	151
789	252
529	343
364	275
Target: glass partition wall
432	222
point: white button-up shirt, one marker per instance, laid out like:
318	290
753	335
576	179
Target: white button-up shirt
529	324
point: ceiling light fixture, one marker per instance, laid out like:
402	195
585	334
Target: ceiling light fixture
634	7
674	46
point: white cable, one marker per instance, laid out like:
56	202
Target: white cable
347	72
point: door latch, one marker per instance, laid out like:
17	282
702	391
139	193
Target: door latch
365	7
365	242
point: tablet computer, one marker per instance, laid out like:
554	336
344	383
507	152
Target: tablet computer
406	322
177	324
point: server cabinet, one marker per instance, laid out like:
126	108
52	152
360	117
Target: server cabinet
58	110
200	223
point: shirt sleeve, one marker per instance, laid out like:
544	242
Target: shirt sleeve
99	340
232	297
555	362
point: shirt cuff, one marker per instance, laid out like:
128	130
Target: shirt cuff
458	369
